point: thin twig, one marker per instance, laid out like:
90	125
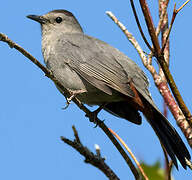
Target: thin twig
134	42
168	165
175	12
66	93
139	26
182	6
170	28
166	162
76	134
131	154
90	157
120	149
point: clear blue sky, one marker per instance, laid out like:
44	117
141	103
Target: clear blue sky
31	115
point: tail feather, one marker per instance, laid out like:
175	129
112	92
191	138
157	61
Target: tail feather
124	110
168	137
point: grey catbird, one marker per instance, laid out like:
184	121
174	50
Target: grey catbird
98	74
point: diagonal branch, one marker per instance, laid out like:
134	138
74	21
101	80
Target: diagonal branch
184	4
88	113
131	154
91	158
134	42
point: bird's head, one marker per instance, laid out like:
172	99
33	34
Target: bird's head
57	21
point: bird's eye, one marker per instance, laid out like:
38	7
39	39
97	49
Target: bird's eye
58	19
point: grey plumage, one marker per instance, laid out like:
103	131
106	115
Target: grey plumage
105	75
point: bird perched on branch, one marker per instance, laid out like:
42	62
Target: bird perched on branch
99	74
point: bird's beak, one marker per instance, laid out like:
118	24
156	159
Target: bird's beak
39	19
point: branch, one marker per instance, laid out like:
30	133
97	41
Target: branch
134	42
175	12
131	154
120	149
151	27
169	30
184	4
168	165
94	159
66	93
161	60
159	79
139	26
163	13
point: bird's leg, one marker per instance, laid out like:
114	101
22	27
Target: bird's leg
73	93
93	115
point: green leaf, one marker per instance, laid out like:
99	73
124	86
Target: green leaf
154	172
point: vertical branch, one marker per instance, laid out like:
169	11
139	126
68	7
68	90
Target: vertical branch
151	27
139	25
160	82
178	115
164	33
160	57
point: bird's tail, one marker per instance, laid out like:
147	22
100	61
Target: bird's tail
168	136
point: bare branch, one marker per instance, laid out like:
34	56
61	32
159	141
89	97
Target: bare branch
182	6
163	13
161	60
151	27
168	165
175	12
90	157
170	28
134	42
76	135
159	79
169	100
130	152
120	149
139	26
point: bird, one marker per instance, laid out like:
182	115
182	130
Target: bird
98	74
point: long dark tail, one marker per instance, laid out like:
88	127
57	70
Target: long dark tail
168	136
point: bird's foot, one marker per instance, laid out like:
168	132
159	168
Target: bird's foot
73	93
93	115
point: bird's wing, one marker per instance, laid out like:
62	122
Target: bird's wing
98	63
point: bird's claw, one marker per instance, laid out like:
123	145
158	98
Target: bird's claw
96	123
68	101
73	94
93	115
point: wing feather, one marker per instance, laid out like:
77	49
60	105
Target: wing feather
98	63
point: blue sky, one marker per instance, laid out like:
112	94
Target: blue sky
31	115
